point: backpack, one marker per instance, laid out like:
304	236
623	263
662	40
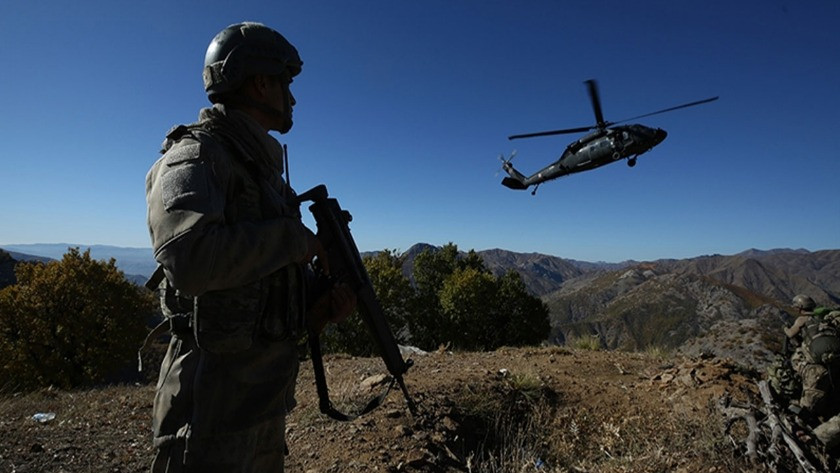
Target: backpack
824	311
821	336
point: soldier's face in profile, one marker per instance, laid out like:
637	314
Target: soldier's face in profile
279	97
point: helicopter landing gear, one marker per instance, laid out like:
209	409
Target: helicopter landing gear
631	162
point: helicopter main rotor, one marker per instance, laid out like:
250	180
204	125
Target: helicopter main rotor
600	124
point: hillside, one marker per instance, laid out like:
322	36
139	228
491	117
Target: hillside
647	404
779	274
512	410
638	308
732	306
137	263
542	274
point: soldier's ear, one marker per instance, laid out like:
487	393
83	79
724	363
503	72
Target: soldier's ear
261	84
253	87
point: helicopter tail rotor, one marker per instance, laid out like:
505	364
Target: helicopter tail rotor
515	179
509	159
506	162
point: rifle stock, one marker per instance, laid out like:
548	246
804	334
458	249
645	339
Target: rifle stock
346	266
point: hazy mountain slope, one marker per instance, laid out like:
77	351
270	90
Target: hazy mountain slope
730	305
137	263
640	308
8	260
541	274
780	274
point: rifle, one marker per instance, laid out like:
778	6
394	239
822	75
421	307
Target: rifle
346	266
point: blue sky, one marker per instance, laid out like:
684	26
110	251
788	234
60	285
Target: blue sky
404	107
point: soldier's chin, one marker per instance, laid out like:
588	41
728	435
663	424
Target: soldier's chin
285	126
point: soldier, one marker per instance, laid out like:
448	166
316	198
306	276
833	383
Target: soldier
226	229
814	359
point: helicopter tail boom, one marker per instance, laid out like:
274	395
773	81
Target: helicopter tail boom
515	180
513	183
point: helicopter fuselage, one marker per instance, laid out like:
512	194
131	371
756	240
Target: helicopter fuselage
594	150
608	142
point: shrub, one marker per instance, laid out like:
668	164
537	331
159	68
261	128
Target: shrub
586	342
463	304
394	294
71	322
455	301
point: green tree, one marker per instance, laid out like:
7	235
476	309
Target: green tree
70	322
432	267
522	317
468	302
427	324
455	300
396	297
483	312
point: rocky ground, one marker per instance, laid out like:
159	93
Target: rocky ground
512	410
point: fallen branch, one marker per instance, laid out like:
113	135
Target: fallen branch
734	414
783	428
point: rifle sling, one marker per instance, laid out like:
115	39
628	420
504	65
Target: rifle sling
323	392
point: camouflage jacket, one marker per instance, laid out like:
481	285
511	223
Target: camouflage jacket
226	229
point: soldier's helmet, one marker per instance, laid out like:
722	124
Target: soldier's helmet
243	50
804	302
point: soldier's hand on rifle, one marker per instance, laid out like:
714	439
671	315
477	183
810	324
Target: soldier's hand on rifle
333	306
314	249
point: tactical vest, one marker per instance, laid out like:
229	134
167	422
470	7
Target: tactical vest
229	320
821	338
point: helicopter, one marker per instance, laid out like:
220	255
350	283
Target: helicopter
605	144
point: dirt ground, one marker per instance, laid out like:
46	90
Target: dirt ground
517	410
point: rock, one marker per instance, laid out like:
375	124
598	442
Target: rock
416	457
402	430
449	424
373	381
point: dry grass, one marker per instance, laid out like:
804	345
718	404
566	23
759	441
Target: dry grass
586	342
510	411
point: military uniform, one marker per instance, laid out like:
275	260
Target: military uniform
817	383
817	376
227	231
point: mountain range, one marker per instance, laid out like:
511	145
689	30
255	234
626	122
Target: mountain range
728	305
732	305
137	263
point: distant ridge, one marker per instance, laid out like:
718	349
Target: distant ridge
136	263
730	305
776	273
